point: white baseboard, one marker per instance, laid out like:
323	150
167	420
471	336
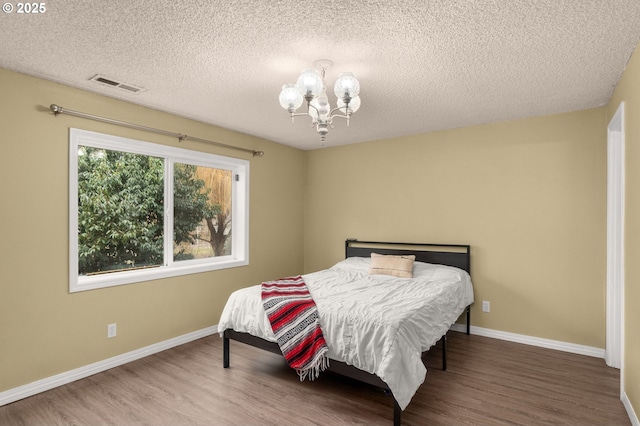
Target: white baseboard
630	411
48	383
533	341
36	387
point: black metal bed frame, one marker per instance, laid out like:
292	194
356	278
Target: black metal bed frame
457	255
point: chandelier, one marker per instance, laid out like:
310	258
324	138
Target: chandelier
312	89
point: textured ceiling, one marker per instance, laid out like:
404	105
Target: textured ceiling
423	65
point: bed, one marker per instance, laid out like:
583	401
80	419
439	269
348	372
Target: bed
376	326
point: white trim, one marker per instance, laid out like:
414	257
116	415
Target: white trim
533	341
615	240
48	383
170	155
627	405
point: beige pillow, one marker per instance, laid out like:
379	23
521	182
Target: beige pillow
397	266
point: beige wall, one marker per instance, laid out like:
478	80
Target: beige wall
628	90
44	330
529	196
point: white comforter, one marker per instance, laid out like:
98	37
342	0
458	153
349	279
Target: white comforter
377	323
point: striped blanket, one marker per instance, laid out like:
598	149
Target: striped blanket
294	319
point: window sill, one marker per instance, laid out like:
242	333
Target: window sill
129	277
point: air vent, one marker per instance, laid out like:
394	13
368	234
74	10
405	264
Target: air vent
117	84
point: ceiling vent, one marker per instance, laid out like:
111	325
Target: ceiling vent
117	84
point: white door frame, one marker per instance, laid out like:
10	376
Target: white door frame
614	352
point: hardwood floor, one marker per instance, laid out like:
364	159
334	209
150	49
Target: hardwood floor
487	382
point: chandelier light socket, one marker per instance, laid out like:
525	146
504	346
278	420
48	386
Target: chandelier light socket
350	107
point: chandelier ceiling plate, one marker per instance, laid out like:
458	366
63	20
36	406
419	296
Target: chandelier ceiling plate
323	64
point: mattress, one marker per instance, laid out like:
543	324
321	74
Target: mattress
377	323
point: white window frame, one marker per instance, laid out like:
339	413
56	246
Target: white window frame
170	268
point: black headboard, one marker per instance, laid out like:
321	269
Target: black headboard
457	255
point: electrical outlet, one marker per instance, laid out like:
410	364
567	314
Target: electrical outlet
486	306
111	330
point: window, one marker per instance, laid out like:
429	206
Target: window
141	211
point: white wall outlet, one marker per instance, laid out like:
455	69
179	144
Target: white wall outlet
486	306
111	330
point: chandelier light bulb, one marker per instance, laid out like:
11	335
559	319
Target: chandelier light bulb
290	97
310	83
347	86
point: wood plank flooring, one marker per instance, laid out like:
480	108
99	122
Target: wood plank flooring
487	382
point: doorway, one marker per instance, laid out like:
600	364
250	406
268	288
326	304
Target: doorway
615	241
